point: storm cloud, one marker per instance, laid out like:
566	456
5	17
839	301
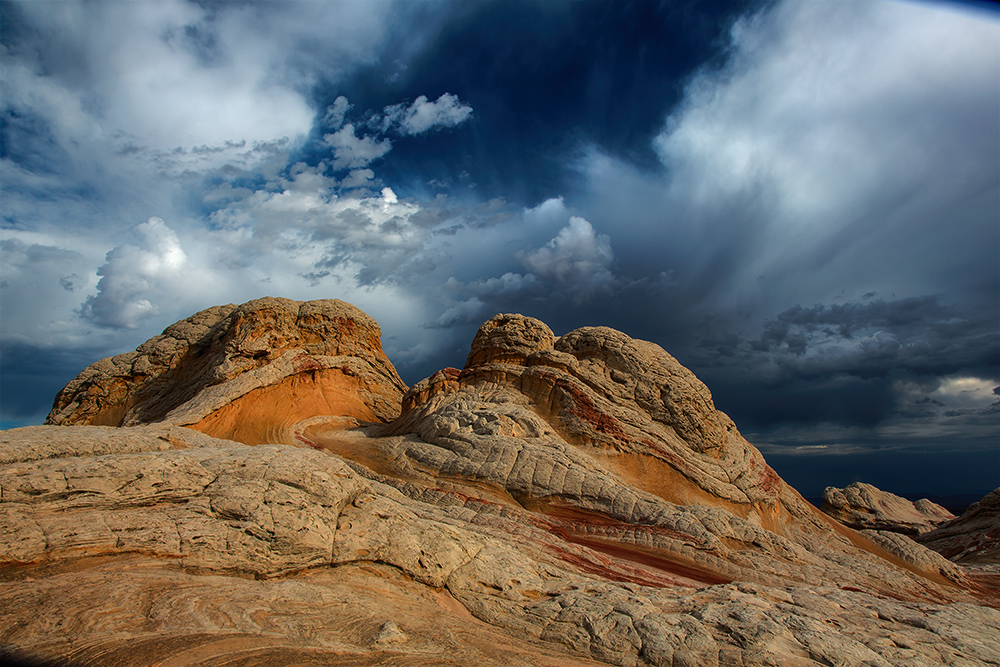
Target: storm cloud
800	201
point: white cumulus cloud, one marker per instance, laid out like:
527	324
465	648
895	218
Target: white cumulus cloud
351	151
578	258
133	278
576	264
424	115
336	113
357	178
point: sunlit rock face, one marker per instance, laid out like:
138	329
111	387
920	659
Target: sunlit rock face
249	372
621	449
863	506
559	500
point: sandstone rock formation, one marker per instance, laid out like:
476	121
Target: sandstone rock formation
570	500
865	507
620	447
973	537
249	372
152	545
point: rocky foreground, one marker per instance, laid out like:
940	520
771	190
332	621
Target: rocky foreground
565	500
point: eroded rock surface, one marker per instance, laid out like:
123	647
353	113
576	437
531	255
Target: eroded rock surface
155	549
248	372
865	507
620	447
560	500
973	537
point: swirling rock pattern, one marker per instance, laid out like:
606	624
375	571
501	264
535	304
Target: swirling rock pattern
560	500
248	372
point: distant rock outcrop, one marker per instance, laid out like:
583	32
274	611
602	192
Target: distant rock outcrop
973	537
560	500
865	507
249	373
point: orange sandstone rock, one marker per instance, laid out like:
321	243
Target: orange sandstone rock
247	372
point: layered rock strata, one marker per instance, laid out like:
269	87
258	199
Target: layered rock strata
248	372
570	500
865	507
620	447
149	546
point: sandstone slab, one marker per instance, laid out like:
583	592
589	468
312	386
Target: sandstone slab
283	555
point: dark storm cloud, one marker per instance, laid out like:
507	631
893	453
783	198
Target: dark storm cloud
799	201
31	376
920	334
879	374
546	79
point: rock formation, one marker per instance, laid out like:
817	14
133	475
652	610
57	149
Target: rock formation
250	373
865	507
559	500
973	537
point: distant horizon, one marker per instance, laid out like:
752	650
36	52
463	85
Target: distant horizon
800	201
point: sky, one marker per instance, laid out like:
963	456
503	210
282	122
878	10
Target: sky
799	200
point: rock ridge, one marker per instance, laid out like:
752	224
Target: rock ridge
865	507
973	537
